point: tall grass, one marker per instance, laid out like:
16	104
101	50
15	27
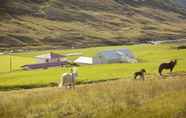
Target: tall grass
121	98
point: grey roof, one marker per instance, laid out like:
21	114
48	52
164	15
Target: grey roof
125	52
110	54
117	53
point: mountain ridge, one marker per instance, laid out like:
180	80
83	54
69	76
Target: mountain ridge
85	23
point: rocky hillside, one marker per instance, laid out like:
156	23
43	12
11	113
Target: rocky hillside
84	23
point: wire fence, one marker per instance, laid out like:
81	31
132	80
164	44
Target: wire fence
12	63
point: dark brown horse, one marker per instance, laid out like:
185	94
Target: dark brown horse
167	66
140	73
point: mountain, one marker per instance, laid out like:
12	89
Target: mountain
182	3
85	23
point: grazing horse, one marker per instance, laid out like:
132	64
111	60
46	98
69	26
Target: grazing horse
68	79
167	66
140	73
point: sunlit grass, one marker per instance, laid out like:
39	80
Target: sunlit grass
120	98
149	56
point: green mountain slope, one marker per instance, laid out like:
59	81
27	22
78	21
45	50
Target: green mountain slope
84	23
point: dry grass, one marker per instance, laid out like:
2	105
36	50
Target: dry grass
121	98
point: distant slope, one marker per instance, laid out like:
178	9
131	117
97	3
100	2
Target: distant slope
84	23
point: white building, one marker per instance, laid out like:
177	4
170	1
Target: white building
84	60
122	55
49	58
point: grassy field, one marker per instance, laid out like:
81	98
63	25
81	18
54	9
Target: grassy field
102	91
149	56
116	99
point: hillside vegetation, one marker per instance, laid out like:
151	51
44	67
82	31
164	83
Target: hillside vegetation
85	23
152	98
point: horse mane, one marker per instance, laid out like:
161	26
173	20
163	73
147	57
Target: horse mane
173	62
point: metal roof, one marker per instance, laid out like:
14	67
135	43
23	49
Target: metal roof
117	53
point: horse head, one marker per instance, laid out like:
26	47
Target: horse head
143	70
175	61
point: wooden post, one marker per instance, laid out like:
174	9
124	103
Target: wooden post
11	61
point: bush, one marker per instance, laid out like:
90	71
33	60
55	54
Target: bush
181	47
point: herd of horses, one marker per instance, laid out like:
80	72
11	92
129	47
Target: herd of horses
164	66
68	79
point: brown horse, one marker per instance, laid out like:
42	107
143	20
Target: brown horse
167	66
140	73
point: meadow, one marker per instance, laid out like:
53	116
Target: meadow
149	57
124	98
102	91
153	98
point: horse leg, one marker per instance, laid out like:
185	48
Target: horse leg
70	85
160	71
135	76
143	77
60	85
73	83
161	75
73	86
171	69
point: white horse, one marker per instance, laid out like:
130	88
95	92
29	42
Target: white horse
68	79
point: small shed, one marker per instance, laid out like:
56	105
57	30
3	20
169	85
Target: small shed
122	55
50	58
84	60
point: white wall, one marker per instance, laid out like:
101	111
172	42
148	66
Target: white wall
40	60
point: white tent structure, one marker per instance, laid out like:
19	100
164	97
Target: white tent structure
122	55
84	60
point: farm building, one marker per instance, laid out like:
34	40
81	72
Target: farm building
43	65
84	60
49	58
122	55
47	61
